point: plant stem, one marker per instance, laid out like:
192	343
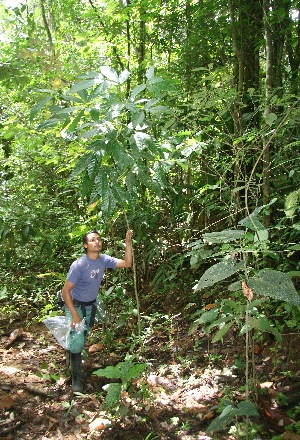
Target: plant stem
247	350
135	285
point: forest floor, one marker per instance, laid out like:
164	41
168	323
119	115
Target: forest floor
177	397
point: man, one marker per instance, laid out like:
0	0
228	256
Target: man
80	293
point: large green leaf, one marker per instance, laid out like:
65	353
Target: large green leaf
67	110
206	317
220	322
131	181
222	332
159	110
49	123
71	127
108	202
276	284
101	184
219	272
39	106
252	222
136	90
264	325
142	140
113	394
109	73
87	186
246	408
85	84
291	203
121	195
81	165
270	118
121	156
225	236
223	420
137	118
92	167
110	372
135	371
124	76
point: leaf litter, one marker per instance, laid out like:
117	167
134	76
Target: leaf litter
177	398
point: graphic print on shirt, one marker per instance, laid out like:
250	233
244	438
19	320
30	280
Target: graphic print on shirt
94	273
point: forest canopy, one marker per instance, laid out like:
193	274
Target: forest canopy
176	119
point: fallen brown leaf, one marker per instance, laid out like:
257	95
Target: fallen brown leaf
266	385
95	348
288	435
194	407
6	400
277	418
154	412
52	419
208	415
16	333
14	336
210	306
99	424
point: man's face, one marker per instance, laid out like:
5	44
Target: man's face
94	243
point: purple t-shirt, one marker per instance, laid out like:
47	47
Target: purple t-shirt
86	275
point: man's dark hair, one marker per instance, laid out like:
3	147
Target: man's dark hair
84	238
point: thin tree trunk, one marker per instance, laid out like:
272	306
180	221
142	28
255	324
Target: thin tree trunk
245	20
128	82
267	110
142	47
237	105
47	27
294	54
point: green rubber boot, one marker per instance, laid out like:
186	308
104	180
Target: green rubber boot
76	372
68	358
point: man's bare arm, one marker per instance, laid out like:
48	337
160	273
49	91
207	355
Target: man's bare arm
127	261
66	294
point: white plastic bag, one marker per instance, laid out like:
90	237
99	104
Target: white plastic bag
60	327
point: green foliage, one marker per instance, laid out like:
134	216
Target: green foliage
231	413
229	245
292	203
231	312
274	284
120	309
121	160
151	436
3	293
45	373
266	282
167	273
171	149
125	371
219	272
178	151
68	406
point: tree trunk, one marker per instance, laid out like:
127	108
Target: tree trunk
245	19
267	110
47	26
142	47
293	52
